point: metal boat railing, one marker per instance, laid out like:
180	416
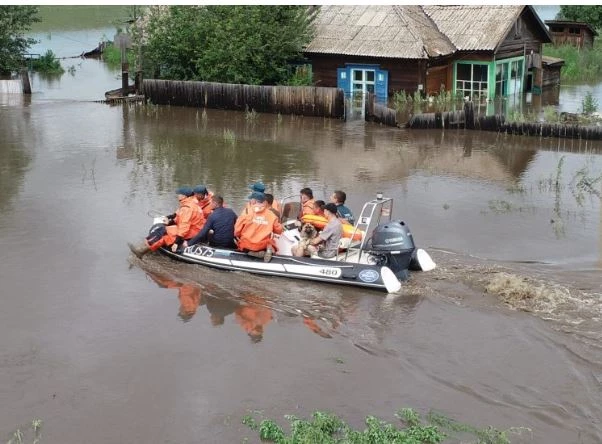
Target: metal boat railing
370	217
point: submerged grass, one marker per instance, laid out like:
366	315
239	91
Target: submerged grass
327	428
22	437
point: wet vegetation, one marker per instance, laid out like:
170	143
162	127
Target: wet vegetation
47	64
580	65
31	434
327	428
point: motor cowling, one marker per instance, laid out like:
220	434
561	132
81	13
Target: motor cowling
392	245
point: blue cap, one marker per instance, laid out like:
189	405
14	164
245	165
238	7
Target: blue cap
200	189
186	191
258	186
259	197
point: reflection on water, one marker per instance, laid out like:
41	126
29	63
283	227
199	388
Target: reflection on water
249	310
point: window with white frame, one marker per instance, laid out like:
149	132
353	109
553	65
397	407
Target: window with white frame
472	79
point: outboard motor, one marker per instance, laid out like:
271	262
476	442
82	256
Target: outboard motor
392	245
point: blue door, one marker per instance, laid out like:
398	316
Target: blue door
381	86
343	80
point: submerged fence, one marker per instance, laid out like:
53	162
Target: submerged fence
467	119
299	100
11	87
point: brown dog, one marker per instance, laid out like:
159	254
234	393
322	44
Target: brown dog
307	233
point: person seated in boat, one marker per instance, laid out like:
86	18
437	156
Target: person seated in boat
204	199
269	198
187	223
326	243
319	208
307	202
338	198
218	230
259	187
255	230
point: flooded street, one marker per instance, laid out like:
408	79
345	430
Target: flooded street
106	348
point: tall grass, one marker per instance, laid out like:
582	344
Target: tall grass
579	64
112	56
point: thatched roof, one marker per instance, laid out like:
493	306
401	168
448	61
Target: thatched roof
475	27
378	31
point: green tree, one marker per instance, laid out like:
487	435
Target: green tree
590	14
232	44
15	21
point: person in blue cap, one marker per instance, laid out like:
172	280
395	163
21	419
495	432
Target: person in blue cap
255	229
204	199
259	187
187	222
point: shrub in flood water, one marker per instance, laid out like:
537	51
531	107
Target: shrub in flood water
326	428
47	64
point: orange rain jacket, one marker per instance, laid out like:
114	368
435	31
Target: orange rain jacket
254	229
307	208
205	205
188	222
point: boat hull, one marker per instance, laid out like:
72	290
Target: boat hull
321	270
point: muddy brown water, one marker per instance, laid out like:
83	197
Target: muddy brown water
105	348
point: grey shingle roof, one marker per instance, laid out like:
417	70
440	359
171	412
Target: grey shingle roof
378	31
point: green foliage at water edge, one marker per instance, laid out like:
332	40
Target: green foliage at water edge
579	64
15	22
47	64
230	44
112	56
327	428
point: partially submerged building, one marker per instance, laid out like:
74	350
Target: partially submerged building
476	51
566	32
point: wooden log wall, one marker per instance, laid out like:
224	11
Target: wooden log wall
298	100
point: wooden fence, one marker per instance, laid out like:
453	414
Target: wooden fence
467	119
298	100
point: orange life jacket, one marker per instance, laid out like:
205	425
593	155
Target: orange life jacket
254	229
320	222
205	205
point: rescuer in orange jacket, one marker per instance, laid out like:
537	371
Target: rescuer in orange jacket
184	224
254	229
259	187
204	199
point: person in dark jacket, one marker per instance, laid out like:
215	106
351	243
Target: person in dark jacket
221	221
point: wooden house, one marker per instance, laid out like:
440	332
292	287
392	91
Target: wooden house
475	51
564	32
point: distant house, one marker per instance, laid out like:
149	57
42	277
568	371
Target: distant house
564	32
476	51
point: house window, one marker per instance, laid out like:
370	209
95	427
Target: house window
471	79
508	78
343	75
574	31
363	81
556	29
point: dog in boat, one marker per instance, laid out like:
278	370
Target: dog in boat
306	234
